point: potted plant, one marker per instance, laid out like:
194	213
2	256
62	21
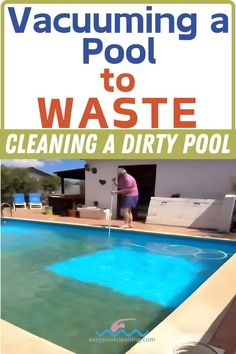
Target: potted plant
72	212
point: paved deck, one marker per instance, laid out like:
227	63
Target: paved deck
37	214
210	317
18	341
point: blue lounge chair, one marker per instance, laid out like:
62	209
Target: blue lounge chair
19	200
34	201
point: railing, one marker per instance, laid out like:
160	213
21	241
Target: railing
6	205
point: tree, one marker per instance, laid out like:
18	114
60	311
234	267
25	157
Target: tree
49	183
16	180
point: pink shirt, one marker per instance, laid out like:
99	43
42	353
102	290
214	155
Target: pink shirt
127	181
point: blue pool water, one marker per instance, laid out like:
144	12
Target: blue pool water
65	282
159	278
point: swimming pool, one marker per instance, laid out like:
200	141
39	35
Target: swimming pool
69	284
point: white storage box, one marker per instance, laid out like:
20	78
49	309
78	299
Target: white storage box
94	213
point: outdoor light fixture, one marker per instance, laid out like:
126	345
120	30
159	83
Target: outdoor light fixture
94	170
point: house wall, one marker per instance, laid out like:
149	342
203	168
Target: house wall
207	179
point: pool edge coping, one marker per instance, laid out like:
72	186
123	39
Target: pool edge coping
208	305
129	230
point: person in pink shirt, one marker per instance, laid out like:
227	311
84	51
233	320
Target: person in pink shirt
127	187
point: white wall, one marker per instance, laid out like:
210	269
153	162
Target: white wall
208	179
94	191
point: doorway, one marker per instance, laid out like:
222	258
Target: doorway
233	220
145	176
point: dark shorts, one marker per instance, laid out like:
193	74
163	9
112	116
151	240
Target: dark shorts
129	201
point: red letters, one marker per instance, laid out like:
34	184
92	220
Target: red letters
178	112
55	109
155	109
129	112
98	114
106	119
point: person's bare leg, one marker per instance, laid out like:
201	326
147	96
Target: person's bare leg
126	217
130	217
